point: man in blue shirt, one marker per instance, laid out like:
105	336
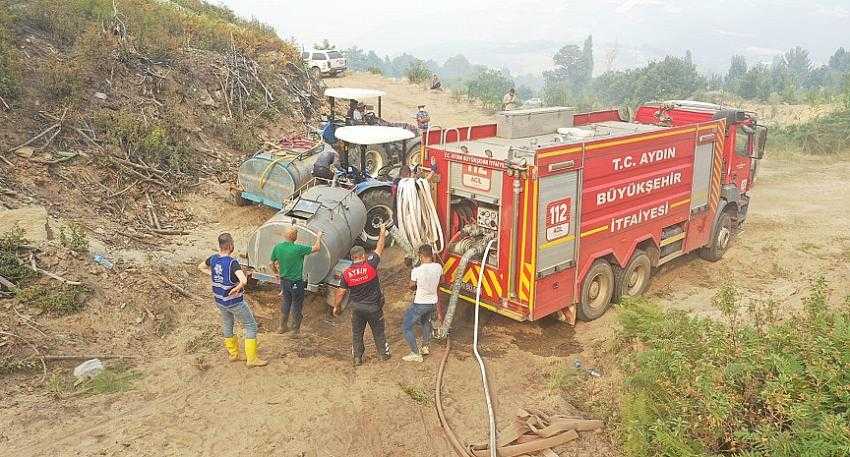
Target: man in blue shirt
228	285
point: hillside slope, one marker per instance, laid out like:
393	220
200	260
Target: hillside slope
123	106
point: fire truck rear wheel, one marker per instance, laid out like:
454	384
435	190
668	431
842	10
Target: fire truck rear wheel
721	238
597	290
634	279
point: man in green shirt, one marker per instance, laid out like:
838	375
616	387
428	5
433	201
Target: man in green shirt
288	260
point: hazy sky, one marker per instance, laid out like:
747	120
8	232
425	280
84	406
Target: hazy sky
522	35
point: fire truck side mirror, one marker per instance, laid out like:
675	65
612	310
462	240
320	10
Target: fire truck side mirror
760	140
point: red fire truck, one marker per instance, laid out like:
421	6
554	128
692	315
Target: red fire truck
583	207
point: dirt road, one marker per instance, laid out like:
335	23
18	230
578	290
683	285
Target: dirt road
399	105
310	401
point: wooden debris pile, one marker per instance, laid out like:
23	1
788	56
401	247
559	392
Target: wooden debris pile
533	432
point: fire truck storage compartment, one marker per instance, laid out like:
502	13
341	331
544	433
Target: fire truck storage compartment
524	123
556	227
702	172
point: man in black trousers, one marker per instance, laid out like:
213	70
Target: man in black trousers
366	299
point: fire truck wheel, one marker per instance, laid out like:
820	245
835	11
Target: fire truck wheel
720	239
597	290
379	210
634	279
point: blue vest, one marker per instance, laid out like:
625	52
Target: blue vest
222	281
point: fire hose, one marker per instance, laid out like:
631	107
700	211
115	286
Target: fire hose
459	449
443	331
417	216
484	381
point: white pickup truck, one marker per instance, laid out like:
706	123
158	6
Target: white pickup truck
324	62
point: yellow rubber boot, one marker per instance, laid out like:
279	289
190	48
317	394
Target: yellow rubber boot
232	345
251	354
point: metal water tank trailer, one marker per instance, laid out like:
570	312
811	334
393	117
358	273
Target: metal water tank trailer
336	211
270	179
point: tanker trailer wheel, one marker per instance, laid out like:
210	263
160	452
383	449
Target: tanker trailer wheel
721	238
379	211
597	290
634	279
235	197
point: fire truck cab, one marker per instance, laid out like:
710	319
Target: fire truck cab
583	207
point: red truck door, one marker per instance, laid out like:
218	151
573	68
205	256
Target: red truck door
740	164
557	227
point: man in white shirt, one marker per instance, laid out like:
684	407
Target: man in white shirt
424	279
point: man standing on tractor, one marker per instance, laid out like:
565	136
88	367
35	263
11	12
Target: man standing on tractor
288	259
356	110
228	285
424	280
365	299
423	119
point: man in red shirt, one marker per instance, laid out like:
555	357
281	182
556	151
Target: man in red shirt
365	299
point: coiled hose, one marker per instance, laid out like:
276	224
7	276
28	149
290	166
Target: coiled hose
418	222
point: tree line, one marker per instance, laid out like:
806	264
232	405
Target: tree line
790	77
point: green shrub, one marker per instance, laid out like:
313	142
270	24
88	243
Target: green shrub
74	238
157	144
11	266
562	378
417	72
489	87
12	240
112	380
764	387
10	73
160	30
417	393
375	71
58	301
824	135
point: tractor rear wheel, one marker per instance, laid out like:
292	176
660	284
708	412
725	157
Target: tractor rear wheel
376	159
634	279
379	211
597	290
413	155
721	238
